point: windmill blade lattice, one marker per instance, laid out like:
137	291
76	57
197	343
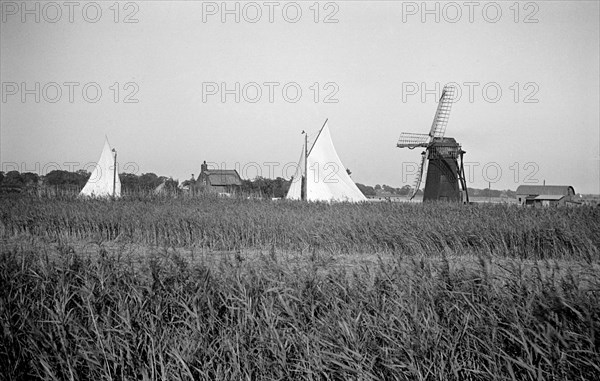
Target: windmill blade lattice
412	140
419	177
442	114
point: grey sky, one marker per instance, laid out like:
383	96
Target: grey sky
371	59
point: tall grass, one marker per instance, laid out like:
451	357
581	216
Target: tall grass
75	317
529	309
233	224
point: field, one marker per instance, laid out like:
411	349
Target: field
235	289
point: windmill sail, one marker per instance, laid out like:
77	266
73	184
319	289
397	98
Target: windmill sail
327	179
104	180
442	114
422	171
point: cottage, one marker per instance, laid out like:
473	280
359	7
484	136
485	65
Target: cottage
222	181
545	195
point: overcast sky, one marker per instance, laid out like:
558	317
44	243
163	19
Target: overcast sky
169	74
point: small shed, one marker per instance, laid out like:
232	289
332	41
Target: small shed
544	195
548	200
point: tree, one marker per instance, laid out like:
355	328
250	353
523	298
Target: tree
388	189
65	178
366	189
404	191
30	179
129	182
171	185
12	182
267	187
148	181
83	177
281	187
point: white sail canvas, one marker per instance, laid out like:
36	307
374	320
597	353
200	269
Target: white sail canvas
104	177
295	191
327	179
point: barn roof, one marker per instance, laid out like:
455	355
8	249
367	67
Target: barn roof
221	177
549	197
545	190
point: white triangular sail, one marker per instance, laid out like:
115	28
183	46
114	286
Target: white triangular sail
160	189
104	180
327	179
295	191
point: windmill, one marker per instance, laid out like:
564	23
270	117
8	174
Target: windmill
440	159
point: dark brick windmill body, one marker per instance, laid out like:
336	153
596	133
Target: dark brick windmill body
444	171
443	157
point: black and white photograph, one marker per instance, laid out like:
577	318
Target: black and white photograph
299	190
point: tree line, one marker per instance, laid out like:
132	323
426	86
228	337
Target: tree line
28	182
16	182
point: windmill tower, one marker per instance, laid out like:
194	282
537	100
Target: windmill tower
440	160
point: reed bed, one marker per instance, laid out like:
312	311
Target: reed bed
234	224
486	292
76	317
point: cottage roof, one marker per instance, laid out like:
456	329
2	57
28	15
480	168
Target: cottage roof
223	177
555	190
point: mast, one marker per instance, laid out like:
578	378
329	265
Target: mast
115	173
306	153
305	166
319	134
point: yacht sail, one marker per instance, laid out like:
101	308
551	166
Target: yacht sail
326	176
104	181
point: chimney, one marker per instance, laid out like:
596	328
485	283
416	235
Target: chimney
204	167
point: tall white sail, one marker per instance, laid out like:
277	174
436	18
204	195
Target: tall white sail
327	179
295	191
104	180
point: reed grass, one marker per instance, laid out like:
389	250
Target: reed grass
527	308
233	224
77	317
